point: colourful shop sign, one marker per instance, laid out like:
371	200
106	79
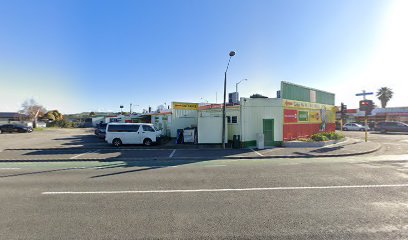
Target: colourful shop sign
290	116
303	116
185	106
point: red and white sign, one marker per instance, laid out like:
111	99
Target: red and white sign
290	116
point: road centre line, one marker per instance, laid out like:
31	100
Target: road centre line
172	153
230	189
257	152
83	154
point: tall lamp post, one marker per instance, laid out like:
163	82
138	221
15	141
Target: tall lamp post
231	54
236	84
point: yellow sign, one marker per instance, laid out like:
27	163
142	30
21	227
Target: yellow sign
185	106
317	112
315	116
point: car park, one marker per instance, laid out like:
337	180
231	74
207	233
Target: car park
14	128
354	127
132	133
384	127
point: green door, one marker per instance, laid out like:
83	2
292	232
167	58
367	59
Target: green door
268	132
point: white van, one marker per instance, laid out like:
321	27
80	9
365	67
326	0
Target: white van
131	133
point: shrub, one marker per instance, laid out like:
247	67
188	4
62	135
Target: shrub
325	136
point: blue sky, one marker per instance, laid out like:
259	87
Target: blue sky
96	55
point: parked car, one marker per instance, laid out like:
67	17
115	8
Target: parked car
354	127
100	130
132	133
11	128
384	127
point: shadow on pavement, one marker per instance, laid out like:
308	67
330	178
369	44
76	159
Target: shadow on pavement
123	160
327	149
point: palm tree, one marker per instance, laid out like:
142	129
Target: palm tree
384	94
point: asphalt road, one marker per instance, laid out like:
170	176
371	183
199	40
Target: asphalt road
393	143
348	198
362	197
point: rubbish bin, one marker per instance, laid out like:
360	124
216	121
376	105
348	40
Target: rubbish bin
180	137
236	139
260	142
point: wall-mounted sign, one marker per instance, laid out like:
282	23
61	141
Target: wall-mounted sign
290	116
185	106
315	116
303	116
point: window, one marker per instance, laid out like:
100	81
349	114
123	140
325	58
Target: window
147	128
133	128
232	119
123	128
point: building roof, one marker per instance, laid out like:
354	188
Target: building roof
216	106
390	110
11	115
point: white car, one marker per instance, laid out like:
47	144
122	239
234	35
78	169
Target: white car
131	133
354	127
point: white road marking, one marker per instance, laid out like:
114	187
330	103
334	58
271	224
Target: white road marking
257	152
172	153
83	154
10	168
216	166
231	189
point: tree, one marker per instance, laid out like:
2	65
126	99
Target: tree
32	109
92	114
384	94
257	95
54	115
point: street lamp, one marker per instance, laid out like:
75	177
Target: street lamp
130	110
204	99
236	84
231	54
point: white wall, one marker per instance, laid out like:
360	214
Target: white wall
234	128
210	130
210	125
254	110
97	120
181	119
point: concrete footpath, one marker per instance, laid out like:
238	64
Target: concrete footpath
350	147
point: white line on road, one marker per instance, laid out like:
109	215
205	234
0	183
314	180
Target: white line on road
10	168
230	189
172	153
256	152
216	166
83	154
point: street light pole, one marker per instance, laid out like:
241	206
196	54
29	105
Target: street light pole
231	54
236	84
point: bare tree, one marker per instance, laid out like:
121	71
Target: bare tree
33	110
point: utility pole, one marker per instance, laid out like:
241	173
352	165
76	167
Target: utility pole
231	54
366	106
